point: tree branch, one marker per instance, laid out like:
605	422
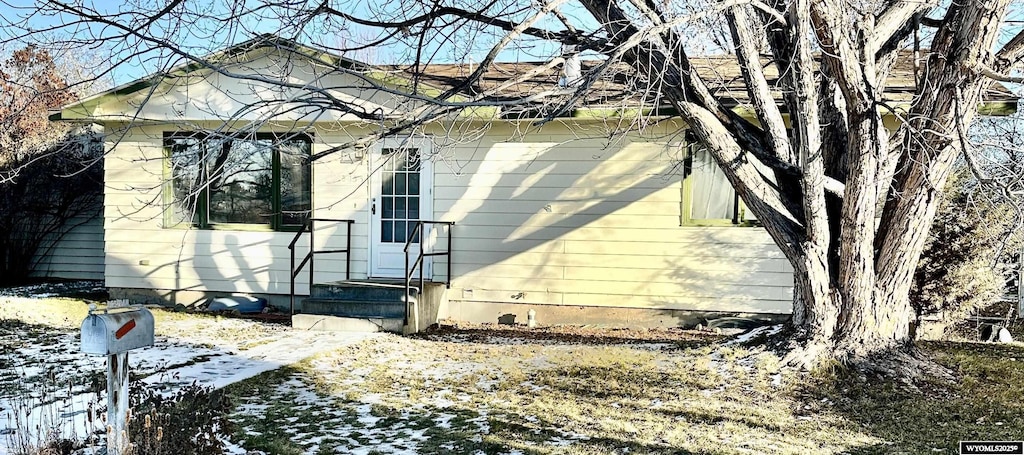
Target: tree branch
768	113
891	24
567	37
1001	77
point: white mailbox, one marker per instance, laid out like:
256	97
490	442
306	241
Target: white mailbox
117	331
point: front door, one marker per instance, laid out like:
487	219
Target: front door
400	196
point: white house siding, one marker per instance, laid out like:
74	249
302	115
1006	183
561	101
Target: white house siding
545	218
554	219
142	254
78	255
549	219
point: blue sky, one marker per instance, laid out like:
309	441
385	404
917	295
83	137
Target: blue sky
203	35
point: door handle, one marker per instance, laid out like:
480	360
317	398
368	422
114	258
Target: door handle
373	208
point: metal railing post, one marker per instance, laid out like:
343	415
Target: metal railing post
407	278
312	254
291	295
448	276
348	249
419	231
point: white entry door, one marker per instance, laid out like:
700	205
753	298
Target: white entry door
401	195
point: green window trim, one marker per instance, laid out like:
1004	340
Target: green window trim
199	216
687	190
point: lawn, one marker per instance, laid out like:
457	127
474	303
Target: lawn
568	390
505	393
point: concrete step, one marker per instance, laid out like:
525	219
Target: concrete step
344	324
360	291
354	308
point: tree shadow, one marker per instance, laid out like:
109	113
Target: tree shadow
982	403
339	425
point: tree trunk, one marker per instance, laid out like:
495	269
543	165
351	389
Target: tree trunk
853	251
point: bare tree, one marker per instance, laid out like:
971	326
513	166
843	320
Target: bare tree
48	181
848	201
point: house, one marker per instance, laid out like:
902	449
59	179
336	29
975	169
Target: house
211	172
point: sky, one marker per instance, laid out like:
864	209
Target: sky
199	32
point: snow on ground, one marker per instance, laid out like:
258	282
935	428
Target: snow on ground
340	393
401	396
44	290
44	377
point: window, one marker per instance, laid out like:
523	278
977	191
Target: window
256	180
708	197
399	195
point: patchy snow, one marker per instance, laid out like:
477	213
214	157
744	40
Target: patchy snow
768	330
44	370
367	393
45	290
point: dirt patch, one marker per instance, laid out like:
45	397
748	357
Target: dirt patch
464	332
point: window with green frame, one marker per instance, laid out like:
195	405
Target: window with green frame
708	197
255	180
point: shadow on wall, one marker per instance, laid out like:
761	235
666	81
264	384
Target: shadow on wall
541	199
526	205
217	258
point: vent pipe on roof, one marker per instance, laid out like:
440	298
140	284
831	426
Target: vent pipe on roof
572	69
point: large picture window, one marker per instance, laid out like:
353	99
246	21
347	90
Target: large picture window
256	180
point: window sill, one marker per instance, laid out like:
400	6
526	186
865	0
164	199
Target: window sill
234	227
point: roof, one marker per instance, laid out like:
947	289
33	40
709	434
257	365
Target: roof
619	87
722	73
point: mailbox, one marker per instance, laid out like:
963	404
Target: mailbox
117	331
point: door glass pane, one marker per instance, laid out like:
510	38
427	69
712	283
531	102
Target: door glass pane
413	160
400	183
399	179
414	208
414	183
400	207
400	232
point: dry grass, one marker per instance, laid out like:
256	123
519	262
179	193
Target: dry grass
67	313
580	399
564	393
570	398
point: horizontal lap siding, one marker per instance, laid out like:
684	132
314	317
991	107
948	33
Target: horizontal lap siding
552	220
79	253
574	222
141	253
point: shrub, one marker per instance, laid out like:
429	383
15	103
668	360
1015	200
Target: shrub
37	410
960	272
187	422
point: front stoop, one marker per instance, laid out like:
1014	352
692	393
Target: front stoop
348	306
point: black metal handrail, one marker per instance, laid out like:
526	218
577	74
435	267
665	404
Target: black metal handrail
417	234
312	253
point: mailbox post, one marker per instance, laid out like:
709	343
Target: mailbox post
113	332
